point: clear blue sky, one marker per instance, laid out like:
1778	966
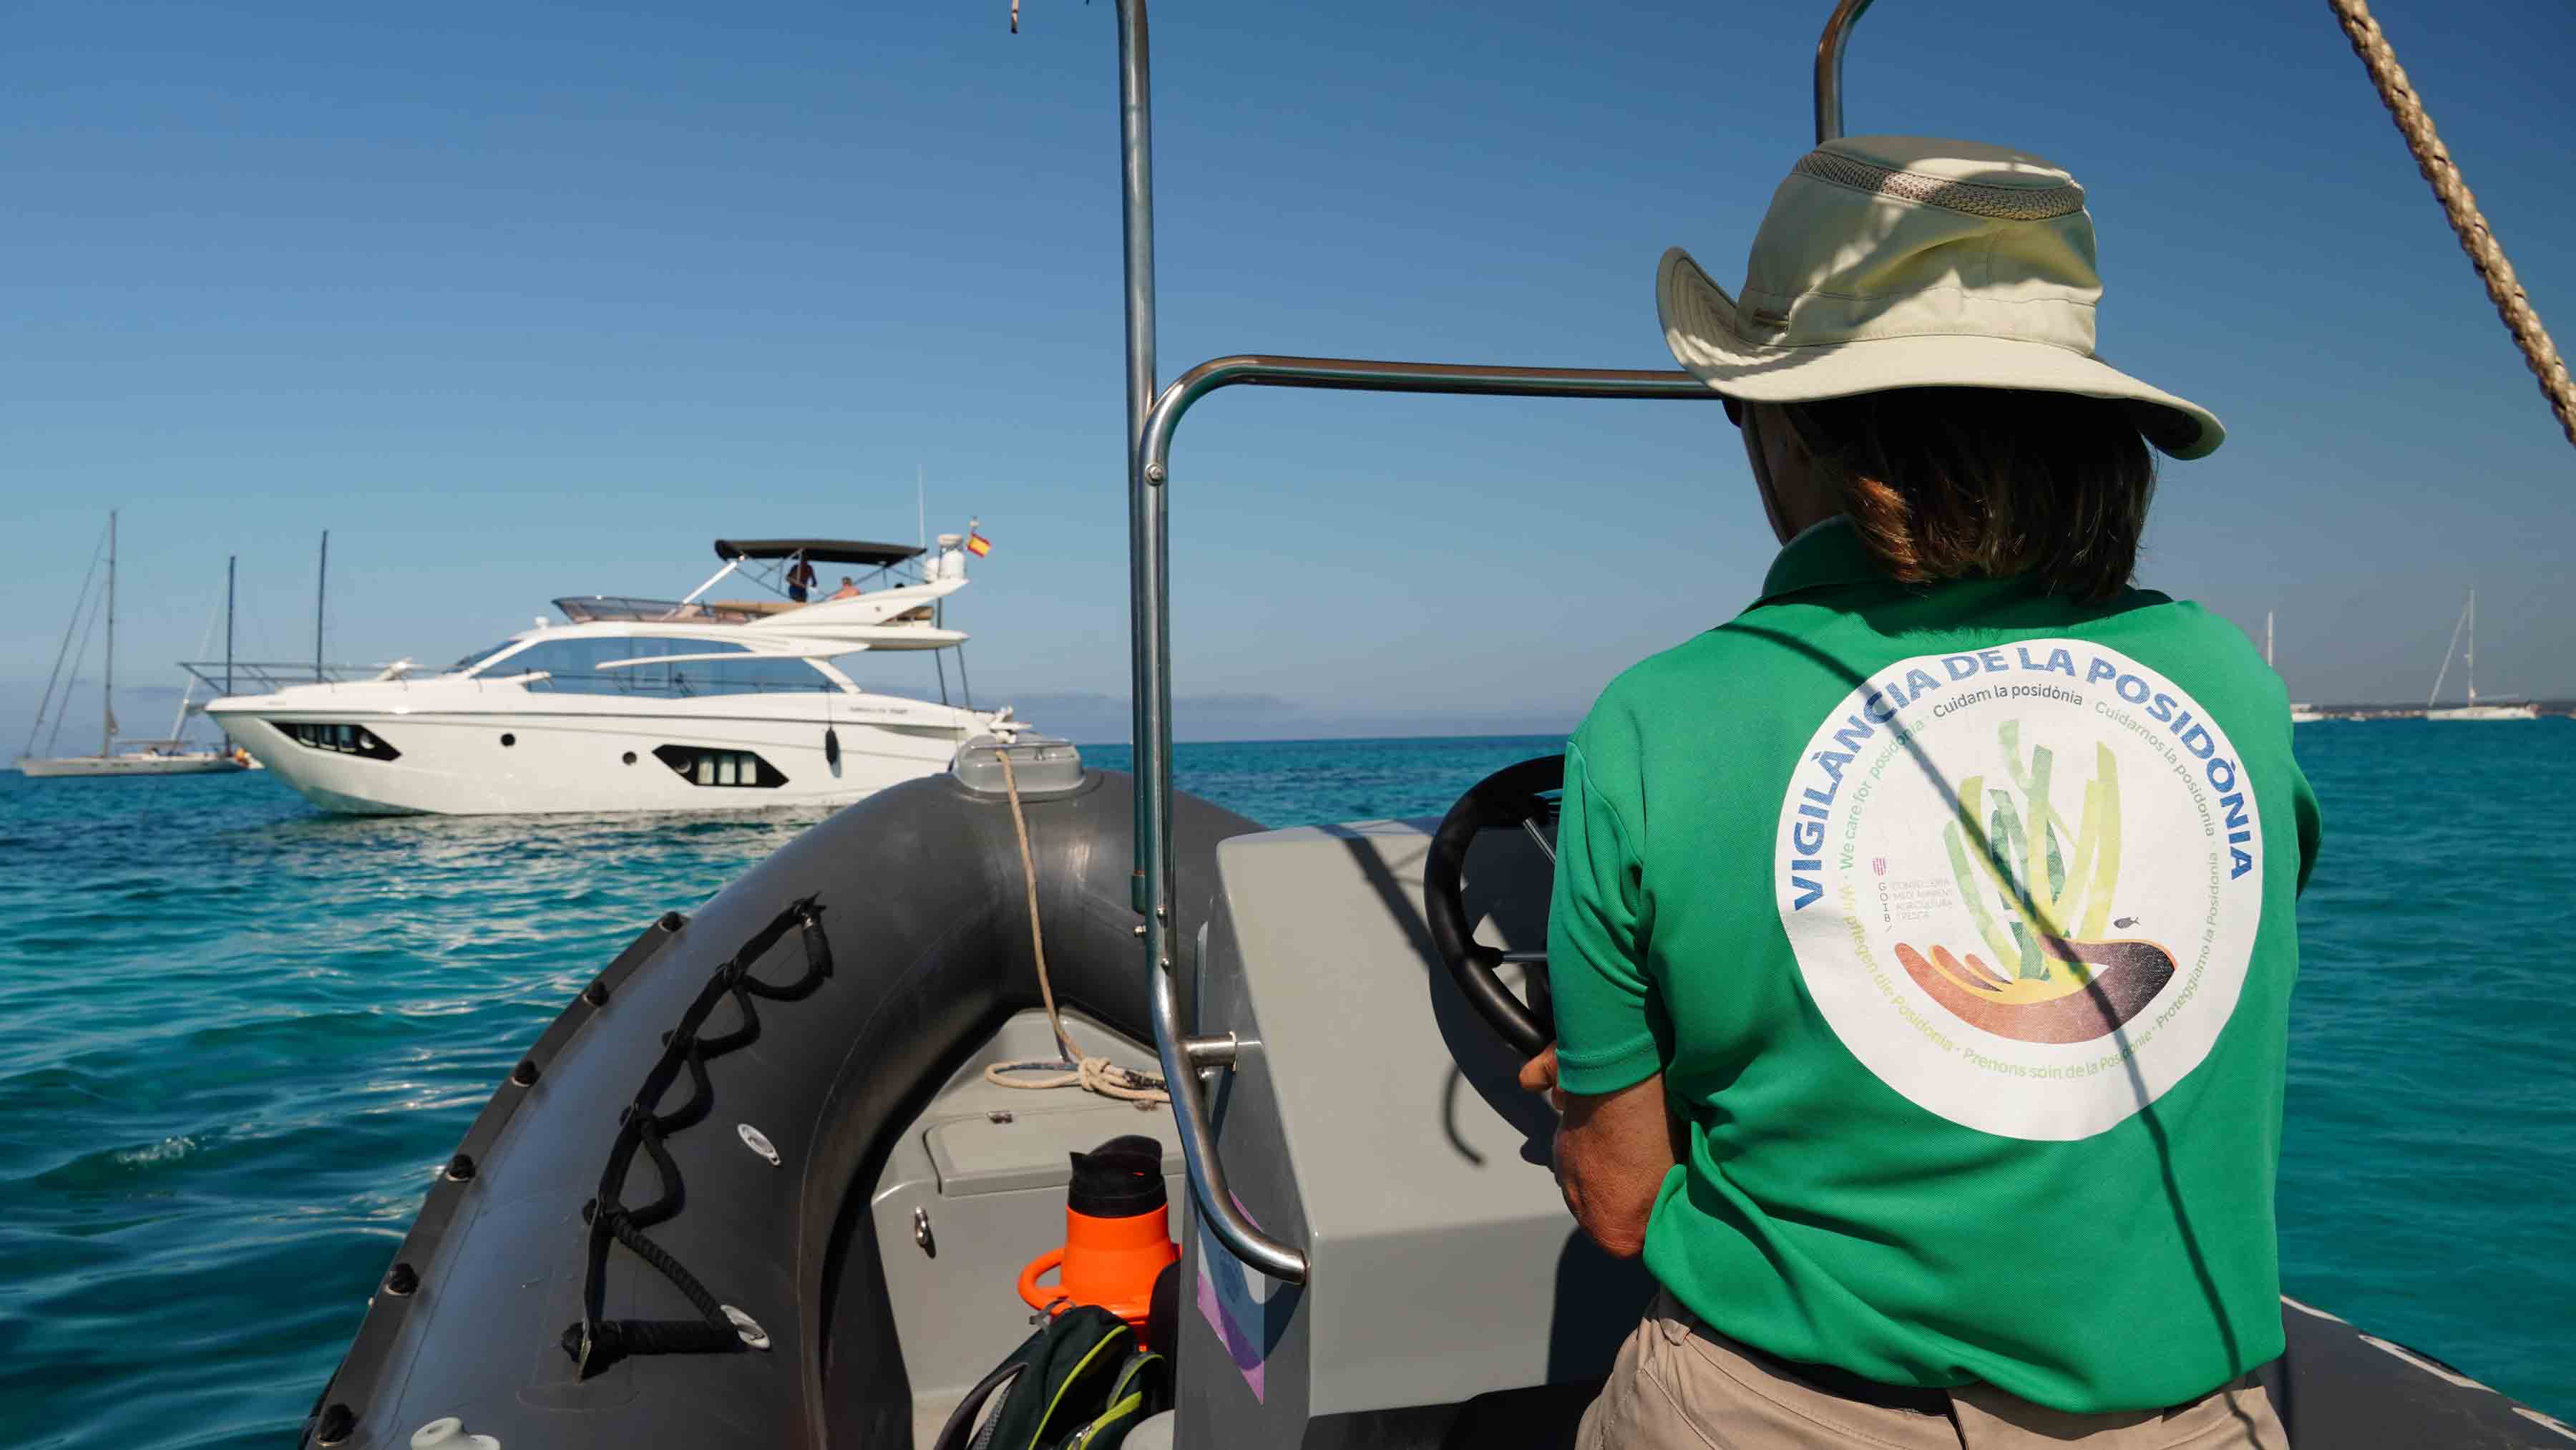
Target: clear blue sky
522	301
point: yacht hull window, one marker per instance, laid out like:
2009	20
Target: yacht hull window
738	769
340	738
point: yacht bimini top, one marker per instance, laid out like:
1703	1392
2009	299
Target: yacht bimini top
818	551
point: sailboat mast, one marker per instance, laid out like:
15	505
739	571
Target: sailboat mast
2470	657
321	592
2450	652
231	562
107	692
188	696
47	705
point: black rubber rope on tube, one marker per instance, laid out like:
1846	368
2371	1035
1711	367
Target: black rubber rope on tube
596	1343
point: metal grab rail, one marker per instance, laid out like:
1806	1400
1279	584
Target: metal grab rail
1361	375
1152	419
1182	1058
1149	469
1829	67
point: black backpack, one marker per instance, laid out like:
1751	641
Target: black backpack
1080	1383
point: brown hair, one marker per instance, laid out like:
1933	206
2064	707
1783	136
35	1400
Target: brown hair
1952	482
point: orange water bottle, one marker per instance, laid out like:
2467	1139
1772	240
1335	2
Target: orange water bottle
1117	1234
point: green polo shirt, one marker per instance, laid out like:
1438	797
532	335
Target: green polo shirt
1960	922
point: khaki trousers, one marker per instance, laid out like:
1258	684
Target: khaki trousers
1679	1386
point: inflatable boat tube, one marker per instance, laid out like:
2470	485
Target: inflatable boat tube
660	1231
701	1127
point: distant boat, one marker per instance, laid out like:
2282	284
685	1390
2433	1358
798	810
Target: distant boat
2299	714
172	756
151	759
2473	710
693	704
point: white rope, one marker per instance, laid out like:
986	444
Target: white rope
1091	1074
1073	1069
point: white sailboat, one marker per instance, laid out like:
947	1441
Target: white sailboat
2474	709
170	756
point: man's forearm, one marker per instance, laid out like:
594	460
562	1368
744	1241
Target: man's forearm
1613	1153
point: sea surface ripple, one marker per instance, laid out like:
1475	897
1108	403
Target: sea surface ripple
244	1035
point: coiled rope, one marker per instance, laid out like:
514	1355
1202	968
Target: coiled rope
2476	238
1073	1068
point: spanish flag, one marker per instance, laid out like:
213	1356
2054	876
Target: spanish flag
977	544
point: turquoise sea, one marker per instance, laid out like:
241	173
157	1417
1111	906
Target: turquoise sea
242	1034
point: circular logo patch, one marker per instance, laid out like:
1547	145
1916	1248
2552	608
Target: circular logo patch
2022	884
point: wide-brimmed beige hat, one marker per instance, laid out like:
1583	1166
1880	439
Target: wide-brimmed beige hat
1907	262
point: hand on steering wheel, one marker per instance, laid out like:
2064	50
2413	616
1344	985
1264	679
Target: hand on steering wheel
1511	798
1538	1077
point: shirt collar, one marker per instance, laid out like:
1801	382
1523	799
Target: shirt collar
1828	551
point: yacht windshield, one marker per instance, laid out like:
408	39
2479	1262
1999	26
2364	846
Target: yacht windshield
478	657
603	665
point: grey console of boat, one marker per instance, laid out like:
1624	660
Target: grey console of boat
1373	1118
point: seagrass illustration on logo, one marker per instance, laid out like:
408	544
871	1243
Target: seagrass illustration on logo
2053	976
2022	884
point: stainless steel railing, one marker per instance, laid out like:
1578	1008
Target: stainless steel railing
1152	419
1829	67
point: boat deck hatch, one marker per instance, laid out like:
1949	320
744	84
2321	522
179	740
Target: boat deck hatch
1028	1149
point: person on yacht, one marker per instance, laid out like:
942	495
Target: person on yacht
1922	938
849	589
800	579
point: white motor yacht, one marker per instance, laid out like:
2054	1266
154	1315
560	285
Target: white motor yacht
641	704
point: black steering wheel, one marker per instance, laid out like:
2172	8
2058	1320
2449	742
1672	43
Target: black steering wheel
1512	798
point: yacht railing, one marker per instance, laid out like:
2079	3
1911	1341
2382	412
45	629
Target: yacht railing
1152	417
264	677
619	609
